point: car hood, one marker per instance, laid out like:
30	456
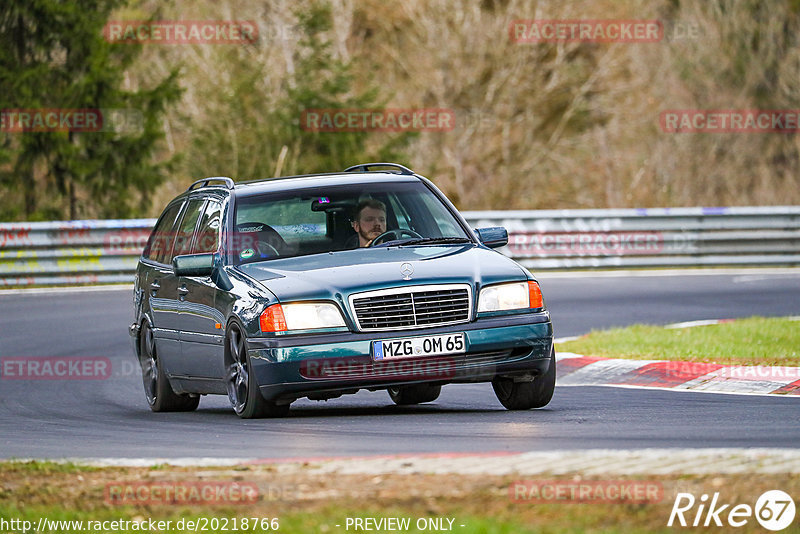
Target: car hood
339	274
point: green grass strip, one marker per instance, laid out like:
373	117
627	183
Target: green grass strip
752	341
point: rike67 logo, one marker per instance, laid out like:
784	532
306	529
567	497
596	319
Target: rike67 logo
774	510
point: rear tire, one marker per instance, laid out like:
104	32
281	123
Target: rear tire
157	390
243	391
415	394
527	395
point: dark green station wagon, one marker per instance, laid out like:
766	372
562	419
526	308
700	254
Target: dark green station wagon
320	285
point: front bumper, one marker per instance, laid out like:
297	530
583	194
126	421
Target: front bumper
291	367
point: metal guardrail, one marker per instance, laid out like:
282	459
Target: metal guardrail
92	252
71	252
653	237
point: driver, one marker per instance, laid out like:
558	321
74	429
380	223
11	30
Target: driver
369	221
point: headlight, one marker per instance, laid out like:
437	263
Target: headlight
300	316
514	296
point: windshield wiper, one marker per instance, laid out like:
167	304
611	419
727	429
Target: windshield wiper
436	241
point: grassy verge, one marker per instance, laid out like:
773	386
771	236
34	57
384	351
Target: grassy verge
752	341
303	501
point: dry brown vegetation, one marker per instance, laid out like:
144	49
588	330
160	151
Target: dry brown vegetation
308	502
554	125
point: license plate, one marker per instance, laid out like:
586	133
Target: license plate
412	347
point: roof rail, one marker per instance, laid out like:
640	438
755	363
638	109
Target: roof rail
365	167
204	181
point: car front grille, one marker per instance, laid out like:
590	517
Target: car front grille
416	307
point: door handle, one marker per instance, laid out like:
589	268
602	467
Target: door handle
183	290
155	286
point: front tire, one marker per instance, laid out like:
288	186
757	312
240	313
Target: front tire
415	394
243	392
527	395
157	390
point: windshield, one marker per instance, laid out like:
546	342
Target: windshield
325	219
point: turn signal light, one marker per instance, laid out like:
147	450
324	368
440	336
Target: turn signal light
535	295
272	319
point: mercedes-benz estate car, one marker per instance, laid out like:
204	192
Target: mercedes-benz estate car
321	285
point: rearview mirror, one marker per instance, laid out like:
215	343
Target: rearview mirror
193	264
493	237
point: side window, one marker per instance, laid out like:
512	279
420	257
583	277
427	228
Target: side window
160	241
208	232
183	238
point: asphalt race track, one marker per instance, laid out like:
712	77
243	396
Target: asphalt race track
110	418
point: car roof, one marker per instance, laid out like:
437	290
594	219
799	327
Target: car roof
288	183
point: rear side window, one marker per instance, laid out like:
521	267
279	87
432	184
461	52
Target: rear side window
208	232
183	239
160	243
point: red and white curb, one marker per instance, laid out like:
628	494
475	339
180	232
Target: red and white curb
578	370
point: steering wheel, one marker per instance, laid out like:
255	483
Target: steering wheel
394	234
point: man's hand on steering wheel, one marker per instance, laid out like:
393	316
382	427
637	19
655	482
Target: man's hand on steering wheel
395	235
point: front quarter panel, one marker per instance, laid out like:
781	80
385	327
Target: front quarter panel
245	301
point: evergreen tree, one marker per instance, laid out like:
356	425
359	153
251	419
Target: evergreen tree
53	56
255	133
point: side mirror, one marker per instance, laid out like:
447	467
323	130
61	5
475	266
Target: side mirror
193	265
493	237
